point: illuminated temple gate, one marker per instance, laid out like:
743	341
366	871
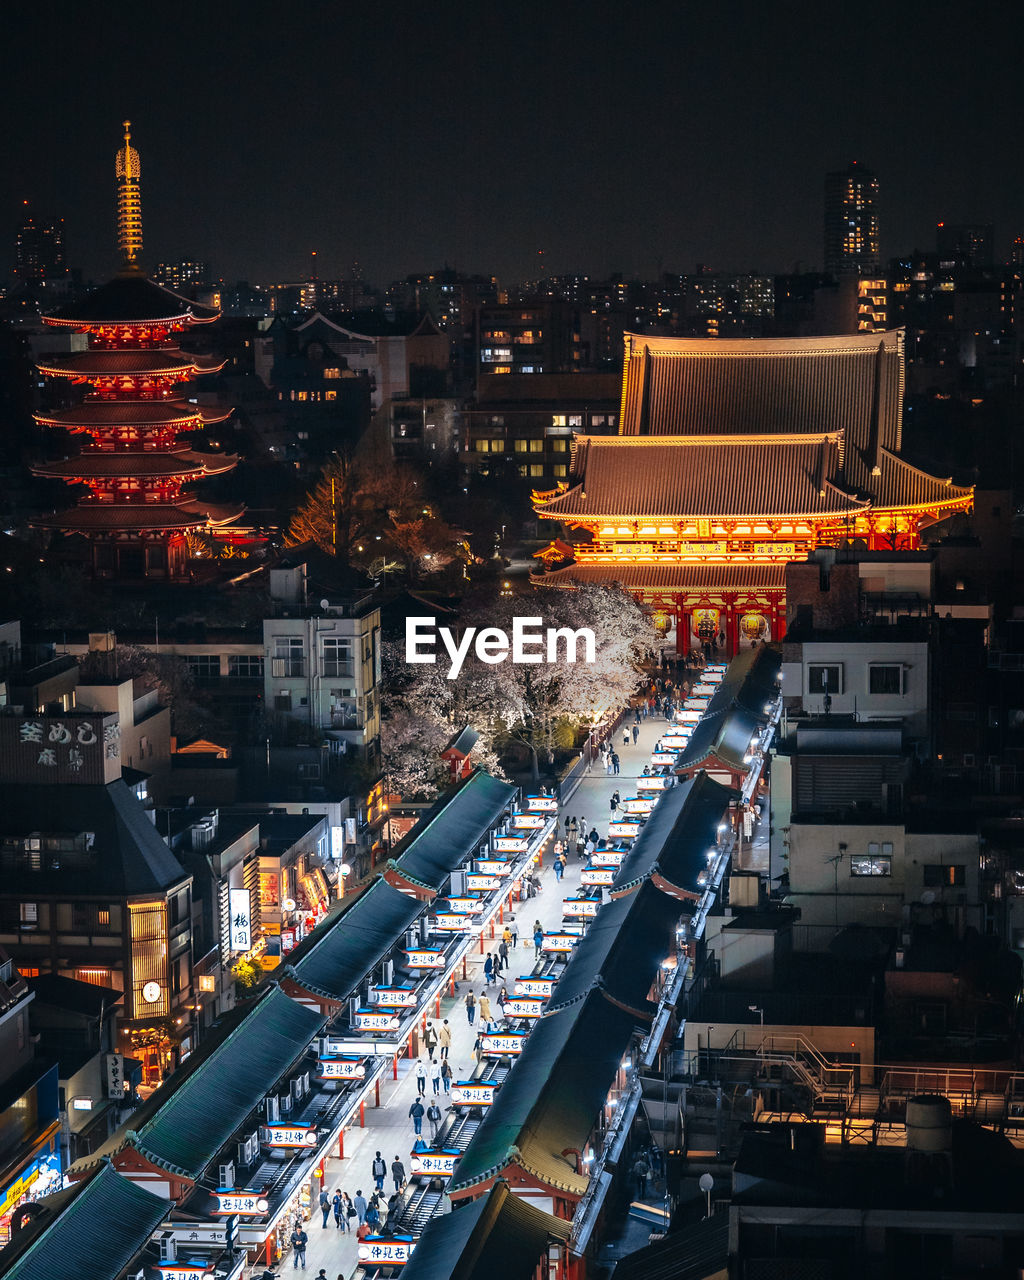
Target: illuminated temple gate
733	458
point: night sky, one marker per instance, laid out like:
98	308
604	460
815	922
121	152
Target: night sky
632	138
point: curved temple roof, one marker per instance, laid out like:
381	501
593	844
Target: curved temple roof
111	465
160	362
131	298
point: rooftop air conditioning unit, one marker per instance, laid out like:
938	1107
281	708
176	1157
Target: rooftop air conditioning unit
388	972
168	1247
226	1174
286	1104
353	1009
273	1110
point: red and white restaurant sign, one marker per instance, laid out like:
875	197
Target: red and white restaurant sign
185	1271
580	908
424	958
482	883
291	1135
493	867
639	804
452	921
376	1020
596	876
394	997
468	906
473	1093
657	783
607	857
626	829
243	1202
542	804
539	986
528	821
559	943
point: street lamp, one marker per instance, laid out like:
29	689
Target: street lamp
343	871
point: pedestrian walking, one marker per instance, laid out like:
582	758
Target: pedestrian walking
349	1214
416	1112
359	1203
485	1012
581	830
325	1207
558	866
625	737
613	801
488	970
380	1171
615	763
444	1037
338	1205
435	1077
538	940
503	950
434	1115
609	763
641	1169
430	1040
421	1077
470	1007
299	1242
636	733
500	999
373	1213
513	929
446	1076
398	1174
572	845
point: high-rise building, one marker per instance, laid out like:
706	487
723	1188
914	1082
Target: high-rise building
40	250
138	516
967	244
851	221
186	274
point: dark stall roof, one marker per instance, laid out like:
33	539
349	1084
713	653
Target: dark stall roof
333	965
726	736
94	1229
549	1103
677	836
621	951
69	994
129	858
183	1125
500	1236
448	834
698	1250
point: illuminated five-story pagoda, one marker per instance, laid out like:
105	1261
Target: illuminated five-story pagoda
138	515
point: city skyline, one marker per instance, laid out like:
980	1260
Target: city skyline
409	140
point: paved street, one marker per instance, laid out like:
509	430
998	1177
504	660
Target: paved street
388	1128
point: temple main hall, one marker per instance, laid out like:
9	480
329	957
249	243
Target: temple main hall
733	458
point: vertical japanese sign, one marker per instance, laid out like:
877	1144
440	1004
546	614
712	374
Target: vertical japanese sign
241	922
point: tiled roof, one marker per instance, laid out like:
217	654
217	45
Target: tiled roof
677	836
183	1125
500	1236
736	712
123	517
94	1228
131	297
132	413
671	577
550	1102
106	464
333	965
672	478
688	386
449	834
109	364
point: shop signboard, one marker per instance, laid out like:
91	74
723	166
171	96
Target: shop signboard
659	758
639	804
539	986
509	844
371	1019
657	783
607	857
291	1135
184	1270
394	997
494	867
558	943
580	908
385	1251
468	905
703	690
501	1044
594	876
696	704
527	821
481	883
542	804
473	1093
247	1202
440	1161
346	1068
452	921
523	1007
39	1177
687	716
113	1064
241	923
625	828
424	958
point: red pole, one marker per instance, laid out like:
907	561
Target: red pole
463	970
437	1005
408	1048
394	1067
270	1245
341	1145
481	949
376	1093
501	915
362	1113
451	984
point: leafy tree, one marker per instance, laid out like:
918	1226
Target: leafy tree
174	678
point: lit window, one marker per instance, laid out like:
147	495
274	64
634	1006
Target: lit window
522	446
824	678
558	420
870	865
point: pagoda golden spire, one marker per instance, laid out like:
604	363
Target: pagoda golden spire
129	200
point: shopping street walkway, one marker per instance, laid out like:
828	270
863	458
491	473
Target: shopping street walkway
388	1128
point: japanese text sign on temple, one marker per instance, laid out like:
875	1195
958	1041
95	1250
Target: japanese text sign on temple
74	747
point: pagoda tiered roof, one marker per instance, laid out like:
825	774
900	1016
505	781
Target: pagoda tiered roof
109	464
160	362
139	517
132	413
131	298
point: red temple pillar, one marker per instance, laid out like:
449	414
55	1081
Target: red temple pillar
731	627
